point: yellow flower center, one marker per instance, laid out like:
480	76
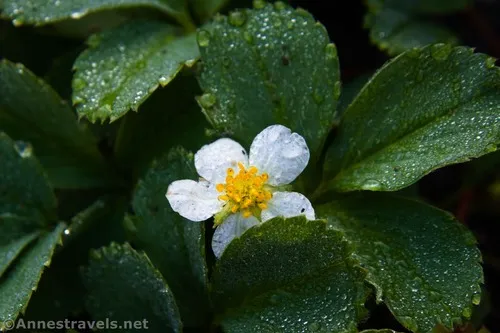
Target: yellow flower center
245	192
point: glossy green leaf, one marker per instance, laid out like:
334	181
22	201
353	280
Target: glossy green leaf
124	286
60	293
15	234
24	188
291	74
423	110
161	124
288	275
424	264
205	9
122	67
175	245
32	111
19	283
41	12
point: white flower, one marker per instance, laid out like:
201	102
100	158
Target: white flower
240	190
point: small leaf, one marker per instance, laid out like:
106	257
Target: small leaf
19	283
24	188
175	245
423	110
15	234
122	67
42	12
291	74
207	8
32	111
423	263
124	286
288	275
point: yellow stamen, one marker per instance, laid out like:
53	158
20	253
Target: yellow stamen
246	191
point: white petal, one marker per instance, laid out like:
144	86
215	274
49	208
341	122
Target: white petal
213	160
280	153
234	226
192	200
288	204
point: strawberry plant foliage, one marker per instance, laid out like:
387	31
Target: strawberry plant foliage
70	183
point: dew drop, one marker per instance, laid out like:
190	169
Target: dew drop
207	100
203	38
476	299
78	15
371	185
79	84
24	149
259	4
163	81
279	5
490	62
337	89
441	52
237	18
18	21
248	37
331	51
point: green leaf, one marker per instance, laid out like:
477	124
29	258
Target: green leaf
24	188
291	74
15	234
423	263
32	111
175	245
205	9
122	67
60	293
423	110
124	286
146	135
42	12
19	283
288	275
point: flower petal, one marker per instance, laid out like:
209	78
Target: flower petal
234	226
288	204
213	160
280	153
196	201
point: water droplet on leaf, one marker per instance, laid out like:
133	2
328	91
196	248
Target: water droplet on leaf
441	52
203	38
237	18
207	100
